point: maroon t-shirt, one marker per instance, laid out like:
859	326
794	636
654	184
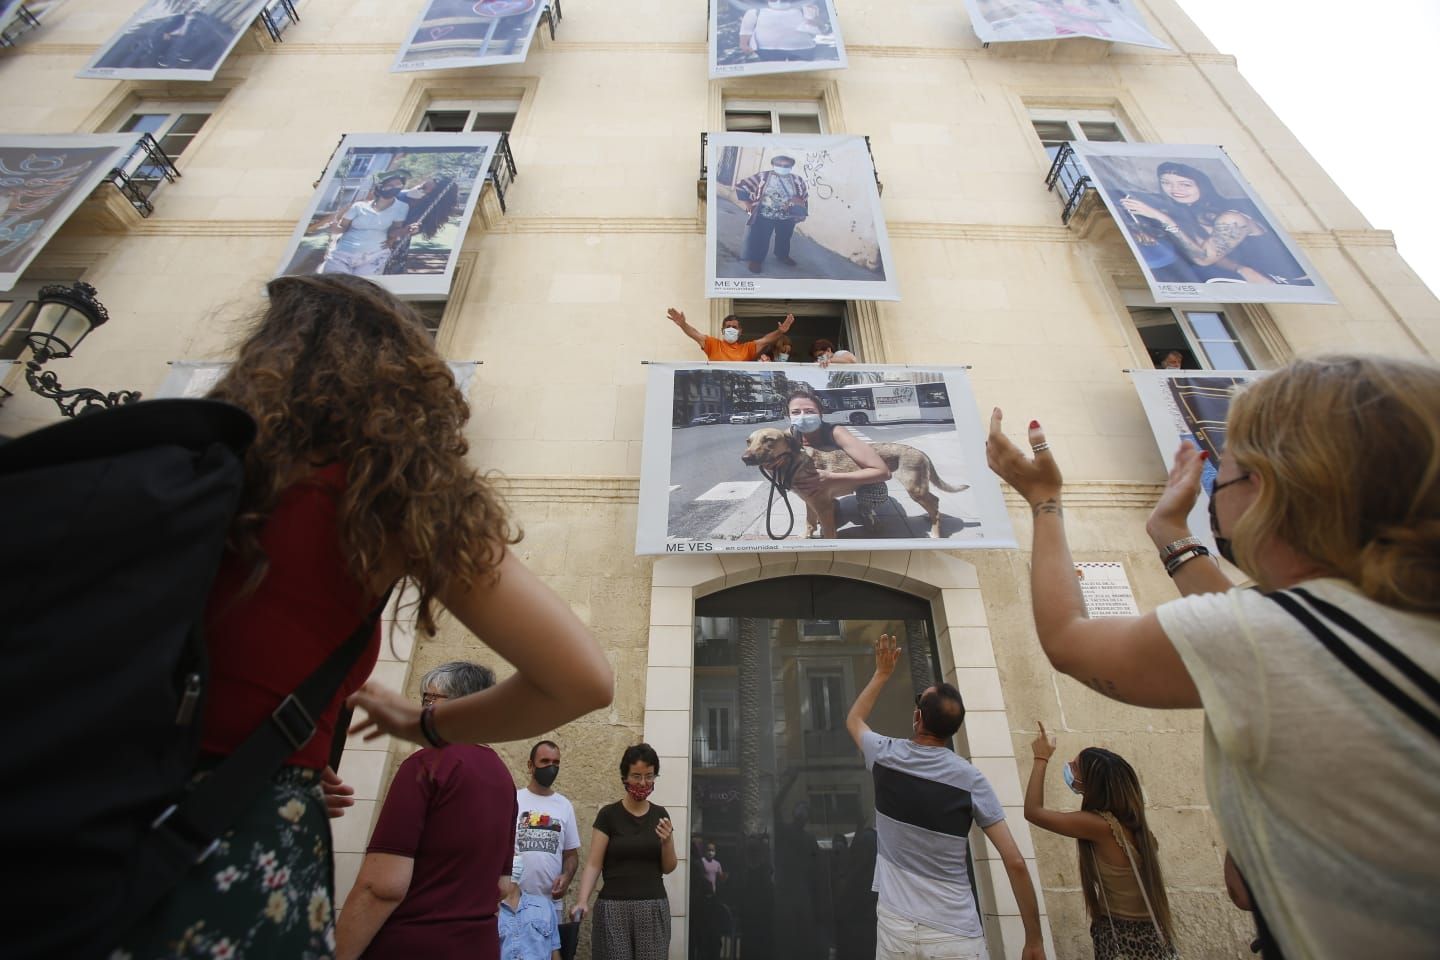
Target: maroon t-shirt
452	810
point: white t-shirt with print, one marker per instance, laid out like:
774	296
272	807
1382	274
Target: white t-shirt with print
369	228
779	29
1327	795
546	829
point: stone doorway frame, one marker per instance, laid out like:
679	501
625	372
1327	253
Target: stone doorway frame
967	659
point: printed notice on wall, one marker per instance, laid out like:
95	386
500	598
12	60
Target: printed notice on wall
1106	590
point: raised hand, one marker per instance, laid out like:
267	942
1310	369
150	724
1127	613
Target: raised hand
887	655
1036	479
1170	520
676	317
785	324
1043	746
386	713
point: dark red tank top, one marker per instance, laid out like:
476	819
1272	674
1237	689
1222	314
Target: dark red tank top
263	644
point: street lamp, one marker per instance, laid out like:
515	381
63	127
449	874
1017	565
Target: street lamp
63	318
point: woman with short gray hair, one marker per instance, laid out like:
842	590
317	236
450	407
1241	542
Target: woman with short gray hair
429	883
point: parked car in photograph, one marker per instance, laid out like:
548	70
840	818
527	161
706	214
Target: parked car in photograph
705	418
747	416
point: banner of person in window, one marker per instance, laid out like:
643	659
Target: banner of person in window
449	34
174	40
1197	228
394	208
42	180
795	216
747	458
1001	21
750	37
1183	406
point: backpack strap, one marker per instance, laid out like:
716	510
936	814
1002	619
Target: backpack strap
189	830
1358	665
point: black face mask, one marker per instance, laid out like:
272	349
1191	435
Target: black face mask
385	193
1221	543
545	776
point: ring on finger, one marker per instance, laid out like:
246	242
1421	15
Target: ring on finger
1040	447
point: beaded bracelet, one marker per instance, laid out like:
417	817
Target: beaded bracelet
427	727
1184	556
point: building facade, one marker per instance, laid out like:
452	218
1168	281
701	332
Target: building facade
739	668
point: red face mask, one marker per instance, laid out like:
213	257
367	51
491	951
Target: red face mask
639	791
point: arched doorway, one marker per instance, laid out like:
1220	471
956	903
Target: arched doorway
779	791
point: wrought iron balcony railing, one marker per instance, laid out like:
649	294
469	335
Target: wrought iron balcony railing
276	16
551	15
1068	180
24	21
709	756
141	173
502	170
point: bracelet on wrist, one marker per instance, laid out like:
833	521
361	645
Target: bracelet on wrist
427	727
1184	556
1174	547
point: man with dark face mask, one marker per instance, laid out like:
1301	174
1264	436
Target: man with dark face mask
546	837
362	239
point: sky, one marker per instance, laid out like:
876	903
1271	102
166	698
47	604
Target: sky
1355	82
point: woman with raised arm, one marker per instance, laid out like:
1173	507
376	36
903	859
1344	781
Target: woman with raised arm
1322	708
1119	857
357	479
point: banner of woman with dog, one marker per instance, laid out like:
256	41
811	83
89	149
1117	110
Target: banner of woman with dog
753	457
1197	228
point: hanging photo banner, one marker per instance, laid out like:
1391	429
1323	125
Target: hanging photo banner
1191	405
42	180
751	37
450	34
1198	230
795	216
393	207
747	457
174	40
1005	21
192	379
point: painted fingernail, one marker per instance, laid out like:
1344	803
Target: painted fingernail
1204	454
1034	424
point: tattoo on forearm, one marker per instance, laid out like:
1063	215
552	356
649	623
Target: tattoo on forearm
1047	506
1227	236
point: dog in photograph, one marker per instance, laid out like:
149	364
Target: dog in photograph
781	454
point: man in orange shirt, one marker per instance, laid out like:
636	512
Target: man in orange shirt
727	346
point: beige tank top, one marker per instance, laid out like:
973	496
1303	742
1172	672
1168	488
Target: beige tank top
1121	889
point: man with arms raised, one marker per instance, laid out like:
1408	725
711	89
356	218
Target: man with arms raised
546	837
926	798
728	346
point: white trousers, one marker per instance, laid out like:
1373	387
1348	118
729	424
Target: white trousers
897	938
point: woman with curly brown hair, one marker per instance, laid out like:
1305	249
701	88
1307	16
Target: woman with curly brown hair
357	479
1321	689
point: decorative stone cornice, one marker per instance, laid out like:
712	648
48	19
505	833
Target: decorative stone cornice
999	232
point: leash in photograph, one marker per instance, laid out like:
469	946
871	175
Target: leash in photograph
782	484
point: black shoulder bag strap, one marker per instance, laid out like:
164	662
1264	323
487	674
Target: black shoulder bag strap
189	830
1357	665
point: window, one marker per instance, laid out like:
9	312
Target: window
1056	127
433	313
814	320
1203	336
462	116
174	125
774	116
16	316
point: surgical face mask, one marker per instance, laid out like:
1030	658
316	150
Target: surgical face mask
545	776
823	357
385	193
783	171
730	334
1069	774
805	422
1227	550
709	854
782	357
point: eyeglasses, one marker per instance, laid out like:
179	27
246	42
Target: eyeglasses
642	777
429	699
918	698
1228	483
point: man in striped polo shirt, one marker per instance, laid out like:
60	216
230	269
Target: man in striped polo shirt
926	798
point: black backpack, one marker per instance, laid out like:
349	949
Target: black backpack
116	528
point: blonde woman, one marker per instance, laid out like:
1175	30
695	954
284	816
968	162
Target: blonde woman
1119	857
1322	724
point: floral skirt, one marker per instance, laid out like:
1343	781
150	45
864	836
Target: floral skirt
1118	939
266	892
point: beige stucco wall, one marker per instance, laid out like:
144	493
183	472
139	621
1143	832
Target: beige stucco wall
565	295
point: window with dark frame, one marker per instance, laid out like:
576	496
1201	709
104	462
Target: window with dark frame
814	320
174	127
481	116
1204	337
